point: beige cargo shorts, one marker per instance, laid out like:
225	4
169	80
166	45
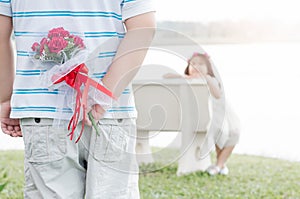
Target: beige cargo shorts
100	166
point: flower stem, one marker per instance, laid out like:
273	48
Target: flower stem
91	117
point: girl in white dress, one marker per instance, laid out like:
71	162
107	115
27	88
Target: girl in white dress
224	131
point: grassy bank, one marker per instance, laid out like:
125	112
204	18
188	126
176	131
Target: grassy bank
250	177
11	174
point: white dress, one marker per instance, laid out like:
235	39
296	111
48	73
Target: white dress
230	131
224	127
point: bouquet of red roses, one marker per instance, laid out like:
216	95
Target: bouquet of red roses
58	47
67	56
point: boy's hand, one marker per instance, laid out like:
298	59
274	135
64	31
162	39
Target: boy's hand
9	126
97	112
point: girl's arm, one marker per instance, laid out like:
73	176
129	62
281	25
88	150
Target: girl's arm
214	86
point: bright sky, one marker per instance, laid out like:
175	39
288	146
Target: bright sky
210	10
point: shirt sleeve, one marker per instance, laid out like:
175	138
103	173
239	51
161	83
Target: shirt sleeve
5	8
131	8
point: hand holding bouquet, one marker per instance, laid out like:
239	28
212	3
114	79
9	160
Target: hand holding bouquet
67	56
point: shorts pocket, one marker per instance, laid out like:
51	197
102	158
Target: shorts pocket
43	142
111	144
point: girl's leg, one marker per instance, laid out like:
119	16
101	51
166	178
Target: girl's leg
224	155
218	151
213	169
229	146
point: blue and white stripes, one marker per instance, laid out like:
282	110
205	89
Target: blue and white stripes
121	109
101	55
85	34
107	54
5	1
103	34
37	91
67	110
23	53
64	13
98	23
98	75
40	109
30	72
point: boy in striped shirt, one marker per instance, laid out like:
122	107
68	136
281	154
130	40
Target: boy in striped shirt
99	166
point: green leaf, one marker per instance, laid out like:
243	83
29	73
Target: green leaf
46	48
4	175
2	186
36	56
70	40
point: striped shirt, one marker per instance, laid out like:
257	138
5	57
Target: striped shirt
98	23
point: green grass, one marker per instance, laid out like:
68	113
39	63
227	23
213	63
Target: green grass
250	177
11	174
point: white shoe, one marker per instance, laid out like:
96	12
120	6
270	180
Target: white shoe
213	170
224	171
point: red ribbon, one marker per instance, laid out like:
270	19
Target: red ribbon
77	78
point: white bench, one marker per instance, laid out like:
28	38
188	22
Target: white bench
173	105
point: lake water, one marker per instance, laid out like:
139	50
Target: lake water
261	81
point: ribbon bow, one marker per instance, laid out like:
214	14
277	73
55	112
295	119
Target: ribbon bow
77	78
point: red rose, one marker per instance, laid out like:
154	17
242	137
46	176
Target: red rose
56	44
43	42
78	41
35	46
64	33
58	32
53	33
